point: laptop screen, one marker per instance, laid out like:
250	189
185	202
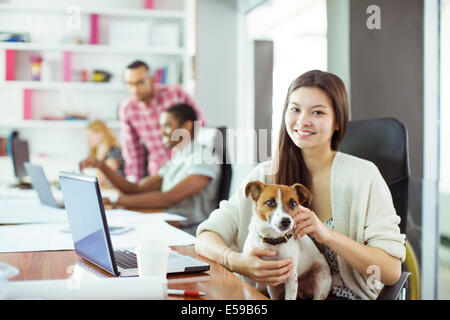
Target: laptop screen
87	220
40	184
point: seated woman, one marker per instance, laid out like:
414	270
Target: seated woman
351	217
103	146
187	184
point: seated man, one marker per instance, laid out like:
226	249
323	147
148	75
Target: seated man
187	184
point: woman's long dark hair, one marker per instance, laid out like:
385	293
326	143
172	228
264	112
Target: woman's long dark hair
289	166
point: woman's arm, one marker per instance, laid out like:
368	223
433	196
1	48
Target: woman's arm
361	257
272	273
358	255
114	177
112	163
102	179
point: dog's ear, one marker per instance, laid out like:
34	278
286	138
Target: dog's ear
304	195
254	188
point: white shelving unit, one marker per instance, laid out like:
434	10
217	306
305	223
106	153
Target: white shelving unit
91	48
178	57
46	24
53	124
60	85
120	12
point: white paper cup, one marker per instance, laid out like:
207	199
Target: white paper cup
152	258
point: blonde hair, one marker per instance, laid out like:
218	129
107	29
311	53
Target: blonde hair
108	136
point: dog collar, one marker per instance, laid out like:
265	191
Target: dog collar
275	241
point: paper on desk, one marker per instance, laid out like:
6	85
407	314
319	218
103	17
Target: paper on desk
122	215
166	216
14	211
15	193
149	288
28	201
154	230
49	237
35	237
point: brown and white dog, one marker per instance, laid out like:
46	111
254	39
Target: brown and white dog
271	227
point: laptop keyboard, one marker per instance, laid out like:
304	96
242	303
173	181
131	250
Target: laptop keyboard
126	259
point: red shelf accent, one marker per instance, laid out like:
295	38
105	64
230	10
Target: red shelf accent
10	65
27	104
149	4
94	28
67	66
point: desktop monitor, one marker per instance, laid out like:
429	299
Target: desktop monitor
20	155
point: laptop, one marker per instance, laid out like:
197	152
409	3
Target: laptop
41	185
91	236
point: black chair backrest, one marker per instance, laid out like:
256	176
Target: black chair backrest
222	155
384	142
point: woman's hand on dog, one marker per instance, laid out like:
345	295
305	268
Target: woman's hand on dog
271	273
307	222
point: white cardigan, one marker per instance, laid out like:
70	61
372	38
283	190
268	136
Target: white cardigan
361	206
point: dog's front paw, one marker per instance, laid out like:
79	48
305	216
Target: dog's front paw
291	288
290	295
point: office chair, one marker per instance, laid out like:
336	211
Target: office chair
384	142
222	156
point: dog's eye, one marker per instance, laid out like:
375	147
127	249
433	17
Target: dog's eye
271	203
293	203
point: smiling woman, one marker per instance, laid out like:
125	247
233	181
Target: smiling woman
351	216
315	118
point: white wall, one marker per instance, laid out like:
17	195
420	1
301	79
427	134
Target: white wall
298	29
338	30
222	77
216	61
430	191
445	100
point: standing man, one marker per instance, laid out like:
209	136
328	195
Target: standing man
139	119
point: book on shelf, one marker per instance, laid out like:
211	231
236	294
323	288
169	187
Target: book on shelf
3	142
50	118
167	74
94	28
10	61
159	75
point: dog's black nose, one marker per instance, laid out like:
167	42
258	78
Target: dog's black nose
285	222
